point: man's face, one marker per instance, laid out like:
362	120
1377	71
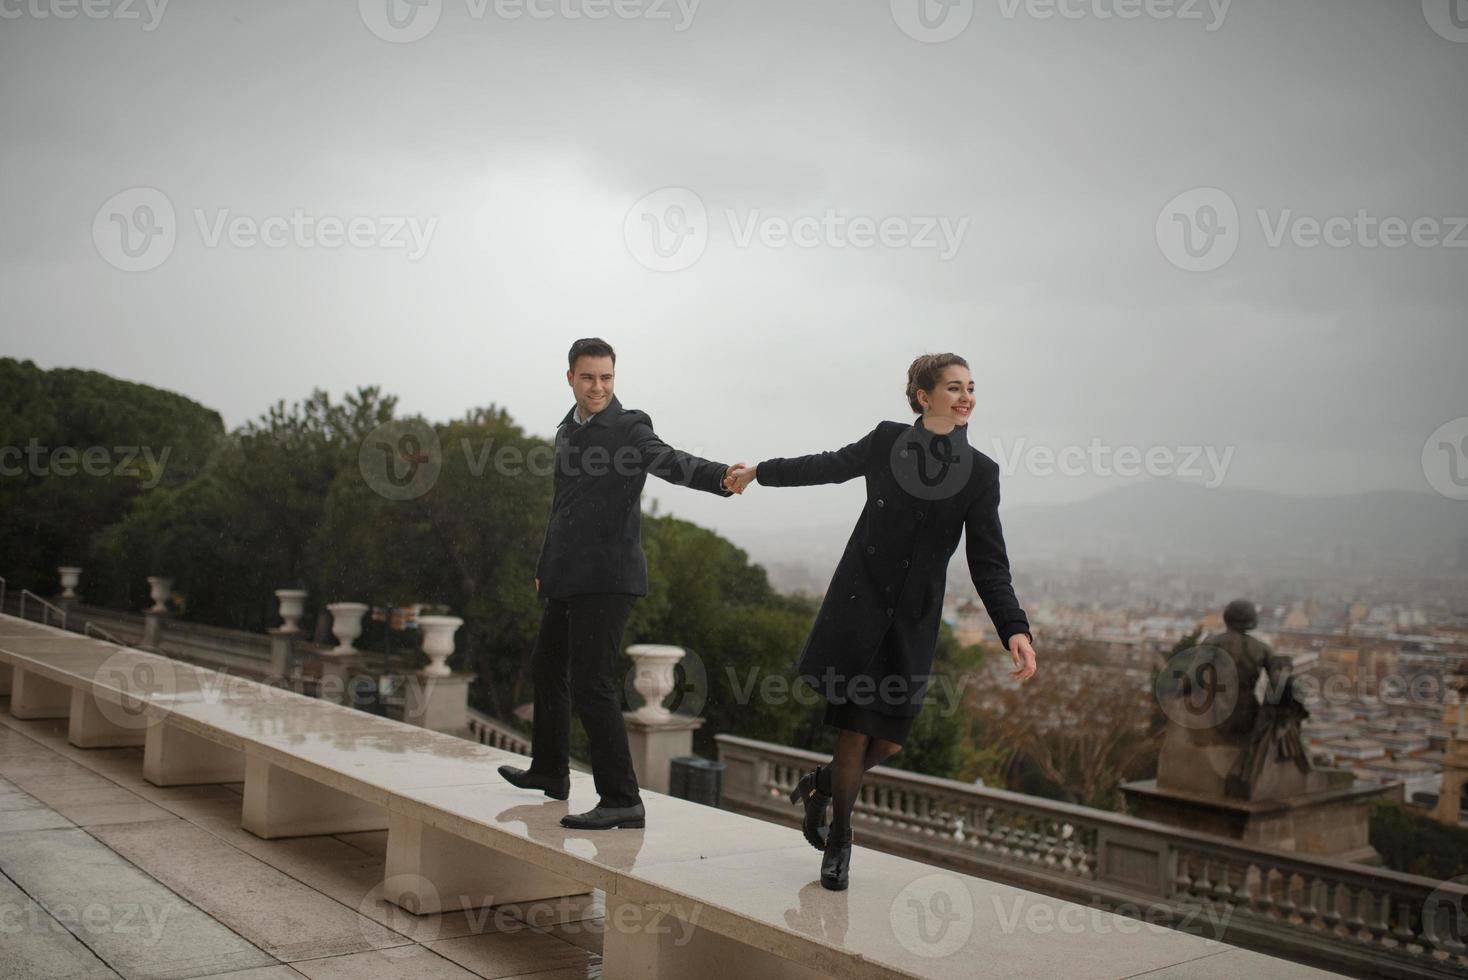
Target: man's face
591	380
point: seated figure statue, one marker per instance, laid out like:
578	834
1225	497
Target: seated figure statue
1228	724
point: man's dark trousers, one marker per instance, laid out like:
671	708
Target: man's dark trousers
581	636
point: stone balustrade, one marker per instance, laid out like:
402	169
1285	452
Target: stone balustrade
1342	915
699	892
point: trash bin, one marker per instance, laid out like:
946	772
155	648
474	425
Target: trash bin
695	778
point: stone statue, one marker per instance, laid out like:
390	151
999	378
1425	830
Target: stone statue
1249	743
1233	763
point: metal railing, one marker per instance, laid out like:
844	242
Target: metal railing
45	607
90	628
1331	913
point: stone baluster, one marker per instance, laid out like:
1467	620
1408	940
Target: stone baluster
159	588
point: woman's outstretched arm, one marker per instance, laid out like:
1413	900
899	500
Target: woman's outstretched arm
836	466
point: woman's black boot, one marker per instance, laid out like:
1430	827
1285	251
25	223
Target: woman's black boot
805	791
837	862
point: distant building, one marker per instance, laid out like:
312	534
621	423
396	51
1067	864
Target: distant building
1352	750
1419	775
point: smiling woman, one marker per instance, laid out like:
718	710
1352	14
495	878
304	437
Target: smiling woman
870	651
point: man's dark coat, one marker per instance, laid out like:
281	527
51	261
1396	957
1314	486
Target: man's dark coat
923	490
593	542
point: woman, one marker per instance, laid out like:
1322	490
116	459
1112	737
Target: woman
870	650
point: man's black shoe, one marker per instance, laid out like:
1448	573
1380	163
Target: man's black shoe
606	817
556	787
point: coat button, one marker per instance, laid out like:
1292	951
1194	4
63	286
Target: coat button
889	610
881	502
905	563
871	549
919	515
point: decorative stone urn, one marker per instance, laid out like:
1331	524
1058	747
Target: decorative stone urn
346	625
69	578
292	605
653	678
438	642
158	589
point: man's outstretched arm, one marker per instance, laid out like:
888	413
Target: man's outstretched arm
674	465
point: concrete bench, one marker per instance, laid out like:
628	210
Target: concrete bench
700	892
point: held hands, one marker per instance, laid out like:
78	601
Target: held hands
739	476
1024	657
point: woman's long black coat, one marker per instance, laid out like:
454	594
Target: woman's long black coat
923	489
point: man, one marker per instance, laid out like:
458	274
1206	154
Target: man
591	569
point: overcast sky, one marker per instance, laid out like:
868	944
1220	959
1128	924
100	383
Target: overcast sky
769	209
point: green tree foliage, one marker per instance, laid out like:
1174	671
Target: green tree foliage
81	449
1416	844
246	526
283	502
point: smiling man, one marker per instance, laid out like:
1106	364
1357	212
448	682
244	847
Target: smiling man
591	569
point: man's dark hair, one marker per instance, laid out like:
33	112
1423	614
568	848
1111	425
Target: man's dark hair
590	347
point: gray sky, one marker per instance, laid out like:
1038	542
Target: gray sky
521	148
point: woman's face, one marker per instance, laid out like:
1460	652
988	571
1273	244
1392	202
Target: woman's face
952	397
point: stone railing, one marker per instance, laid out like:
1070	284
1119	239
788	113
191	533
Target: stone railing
1330	913
488	730
496	734
217	647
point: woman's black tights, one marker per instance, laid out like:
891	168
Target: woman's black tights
855	753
